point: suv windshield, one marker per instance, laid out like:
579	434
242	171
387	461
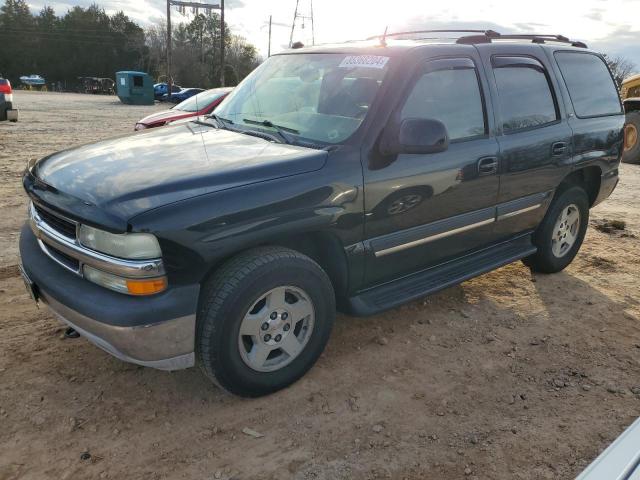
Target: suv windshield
319	97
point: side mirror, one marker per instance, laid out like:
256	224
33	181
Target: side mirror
415	135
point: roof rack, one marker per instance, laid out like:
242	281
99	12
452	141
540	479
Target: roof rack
484	36
383	37
490	35
411	32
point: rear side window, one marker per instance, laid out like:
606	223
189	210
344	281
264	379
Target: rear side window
449	91
524	94
590	85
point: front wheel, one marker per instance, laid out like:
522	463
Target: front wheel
561	232
263	320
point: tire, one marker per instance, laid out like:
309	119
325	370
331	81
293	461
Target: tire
633	122
554	256
234	296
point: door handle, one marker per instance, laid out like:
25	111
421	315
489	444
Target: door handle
487	166
559	148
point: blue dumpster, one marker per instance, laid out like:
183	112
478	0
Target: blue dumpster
135	88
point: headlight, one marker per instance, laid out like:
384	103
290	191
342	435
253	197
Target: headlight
132	246
142	286
140	126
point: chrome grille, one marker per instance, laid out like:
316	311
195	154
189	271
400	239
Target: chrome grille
59	242
59	224
65	260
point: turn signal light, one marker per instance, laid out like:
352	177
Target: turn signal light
146	287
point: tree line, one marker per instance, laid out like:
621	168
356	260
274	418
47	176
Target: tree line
88	42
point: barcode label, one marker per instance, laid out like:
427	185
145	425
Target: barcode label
364	61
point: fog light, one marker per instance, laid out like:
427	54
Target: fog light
146	286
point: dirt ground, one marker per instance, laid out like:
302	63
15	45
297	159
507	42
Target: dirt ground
508	376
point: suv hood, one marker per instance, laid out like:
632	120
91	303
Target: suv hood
108	182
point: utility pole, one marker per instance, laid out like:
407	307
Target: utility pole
196	6
303	17
293	25
169	80
269	49
313	33
222	43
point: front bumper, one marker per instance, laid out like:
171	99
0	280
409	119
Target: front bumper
156	331
166	346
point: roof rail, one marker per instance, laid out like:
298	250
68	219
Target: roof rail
412	32
490	35
485	36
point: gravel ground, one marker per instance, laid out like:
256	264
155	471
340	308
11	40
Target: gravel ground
507	376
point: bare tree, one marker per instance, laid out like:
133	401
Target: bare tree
621	68
156	40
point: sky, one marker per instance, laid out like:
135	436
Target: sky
610	26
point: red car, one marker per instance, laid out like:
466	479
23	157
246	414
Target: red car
202	104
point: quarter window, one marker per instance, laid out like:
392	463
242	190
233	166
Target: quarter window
524	94
452	96
590	85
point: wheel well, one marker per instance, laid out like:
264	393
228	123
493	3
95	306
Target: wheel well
588	178
326	250
322	247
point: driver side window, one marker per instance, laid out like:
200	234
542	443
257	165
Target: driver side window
451	95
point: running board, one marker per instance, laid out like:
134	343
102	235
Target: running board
420	284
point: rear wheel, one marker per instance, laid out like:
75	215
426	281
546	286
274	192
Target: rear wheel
561	232
632	138
264	319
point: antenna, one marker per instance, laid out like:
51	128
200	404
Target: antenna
297	15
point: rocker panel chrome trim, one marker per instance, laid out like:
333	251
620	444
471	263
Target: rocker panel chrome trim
431	238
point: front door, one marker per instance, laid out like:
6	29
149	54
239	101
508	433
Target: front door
423	209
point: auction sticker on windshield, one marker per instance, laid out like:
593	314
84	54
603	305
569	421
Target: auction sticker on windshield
364	61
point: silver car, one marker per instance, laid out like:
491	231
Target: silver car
620	461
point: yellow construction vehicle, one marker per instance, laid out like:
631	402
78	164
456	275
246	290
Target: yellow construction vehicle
630	93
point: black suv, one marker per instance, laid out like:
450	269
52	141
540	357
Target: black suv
358	176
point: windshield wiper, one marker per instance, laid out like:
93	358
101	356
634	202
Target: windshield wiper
278	128
222	122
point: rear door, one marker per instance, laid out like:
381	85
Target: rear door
423	209
596	114
534	135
